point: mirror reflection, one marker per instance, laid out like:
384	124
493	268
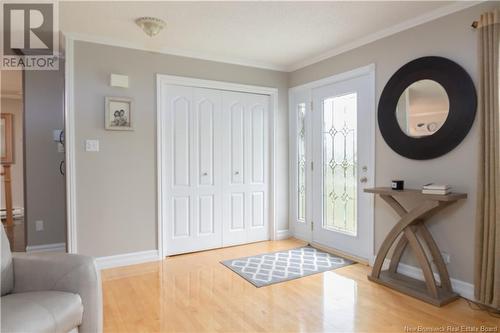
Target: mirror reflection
422	108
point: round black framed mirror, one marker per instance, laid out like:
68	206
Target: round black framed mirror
427	108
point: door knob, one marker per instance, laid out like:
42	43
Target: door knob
363	179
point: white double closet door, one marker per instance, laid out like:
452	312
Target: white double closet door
216	168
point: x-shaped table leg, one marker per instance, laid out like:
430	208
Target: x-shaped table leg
411	222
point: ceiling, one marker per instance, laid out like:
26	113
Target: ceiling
276	35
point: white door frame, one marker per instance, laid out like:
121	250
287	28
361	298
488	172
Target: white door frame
162	79
306	89
70	146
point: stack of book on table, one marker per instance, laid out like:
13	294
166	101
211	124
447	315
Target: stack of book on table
436	189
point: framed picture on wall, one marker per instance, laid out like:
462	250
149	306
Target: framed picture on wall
7	138
118	114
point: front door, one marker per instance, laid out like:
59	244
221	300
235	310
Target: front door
342	163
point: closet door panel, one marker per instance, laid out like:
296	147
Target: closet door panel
192	156
177	157
245	183
258	154
237	211
258	161
206	120
181	217
206	216
237	142
233	168
258	212
181	140
208	223
217	165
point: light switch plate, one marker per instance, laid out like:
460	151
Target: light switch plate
91	145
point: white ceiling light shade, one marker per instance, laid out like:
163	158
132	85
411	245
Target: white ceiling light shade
150	25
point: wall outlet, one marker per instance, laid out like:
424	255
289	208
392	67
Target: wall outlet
92	145
39	225
446	257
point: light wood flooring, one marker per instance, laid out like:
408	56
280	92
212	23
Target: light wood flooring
195	293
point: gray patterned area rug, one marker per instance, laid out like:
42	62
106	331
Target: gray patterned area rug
269	268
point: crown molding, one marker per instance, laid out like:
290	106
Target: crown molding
416	21
171	51
411	23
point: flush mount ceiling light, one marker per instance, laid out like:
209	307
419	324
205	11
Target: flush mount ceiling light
150	25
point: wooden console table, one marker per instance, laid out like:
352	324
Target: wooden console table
411	222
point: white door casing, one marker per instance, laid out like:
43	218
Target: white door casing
361	82
356	243
196	166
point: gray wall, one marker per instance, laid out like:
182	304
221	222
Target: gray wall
116	187
45	186
15	106
450	37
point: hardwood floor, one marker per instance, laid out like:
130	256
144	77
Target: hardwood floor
195	293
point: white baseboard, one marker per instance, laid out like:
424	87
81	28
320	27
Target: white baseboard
55	247
464	289
127	259
283	234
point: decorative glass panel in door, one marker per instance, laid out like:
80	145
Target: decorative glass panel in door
340	163
301	181
301	161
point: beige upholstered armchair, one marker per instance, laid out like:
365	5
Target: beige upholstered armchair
50	292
